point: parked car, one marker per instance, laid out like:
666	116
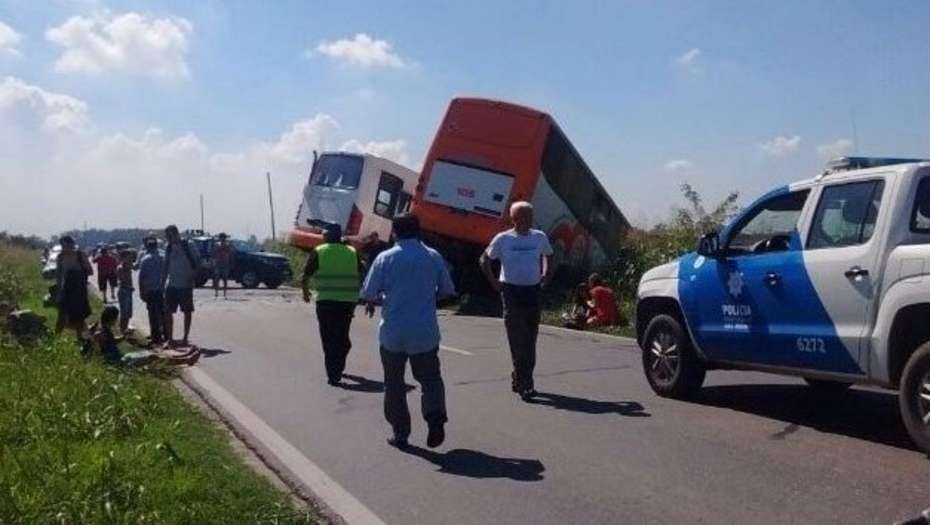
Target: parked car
251	266
826	279
50	263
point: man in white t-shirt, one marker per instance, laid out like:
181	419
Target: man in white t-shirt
525	257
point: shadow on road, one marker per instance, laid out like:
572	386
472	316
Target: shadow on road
590	406
213	352
474	464
363	384
862	414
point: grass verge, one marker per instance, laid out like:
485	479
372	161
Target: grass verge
85	443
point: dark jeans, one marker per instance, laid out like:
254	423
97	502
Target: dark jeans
426	371
335	319
155	305
521	318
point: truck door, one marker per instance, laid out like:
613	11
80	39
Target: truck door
741	296
841	259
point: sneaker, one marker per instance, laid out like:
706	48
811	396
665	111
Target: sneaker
437	434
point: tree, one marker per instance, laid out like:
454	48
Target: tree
694	218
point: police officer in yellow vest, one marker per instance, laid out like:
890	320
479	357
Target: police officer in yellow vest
336	270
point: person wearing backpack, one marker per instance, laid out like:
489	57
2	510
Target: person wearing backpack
181	264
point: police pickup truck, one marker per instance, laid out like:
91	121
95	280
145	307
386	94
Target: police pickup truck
827	279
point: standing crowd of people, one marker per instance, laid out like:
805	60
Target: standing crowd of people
166	282
408	280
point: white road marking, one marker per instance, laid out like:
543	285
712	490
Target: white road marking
351	510
455	350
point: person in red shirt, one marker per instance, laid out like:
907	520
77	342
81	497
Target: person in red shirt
603	303
106	272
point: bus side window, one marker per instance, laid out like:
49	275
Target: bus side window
388	196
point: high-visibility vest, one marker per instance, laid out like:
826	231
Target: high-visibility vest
337	276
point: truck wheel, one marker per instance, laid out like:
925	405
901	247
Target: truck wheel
672	367
826	385
271	285
914	397
250	280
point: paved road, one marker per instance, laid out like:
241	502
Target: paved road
598	446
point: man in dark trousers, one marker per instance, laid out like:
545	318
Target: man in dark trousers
409	278
336	270
525	257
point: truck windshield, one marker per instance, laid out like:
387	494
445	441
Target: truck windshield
337	171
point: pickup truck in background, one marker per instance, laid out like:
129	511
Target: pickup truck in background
251	266
827	279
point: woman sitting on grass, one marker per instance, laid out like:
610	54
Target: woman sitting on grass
108	343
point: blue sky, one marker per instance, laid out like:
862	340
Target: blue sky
724	95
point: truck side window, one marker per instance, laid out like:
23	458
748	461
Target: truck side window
920	216
386	199
846	214
769	226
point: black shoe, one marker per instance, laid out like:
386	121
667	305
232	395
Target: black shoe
398	442
528	394
437	434
334	382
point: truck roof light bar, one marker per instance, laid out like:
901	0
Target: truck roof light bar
859	163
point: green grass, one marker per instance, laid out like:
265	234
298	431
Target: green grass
85	443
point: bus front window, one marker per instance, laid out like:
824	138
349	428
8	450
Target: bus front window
337	171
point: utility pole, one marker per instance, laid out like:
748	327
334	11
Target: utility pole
271	205
202	228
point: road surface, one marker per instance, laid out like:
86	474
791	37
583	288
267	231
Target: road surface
597	447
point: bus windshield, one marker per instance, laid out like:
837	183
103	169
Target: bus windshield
337	171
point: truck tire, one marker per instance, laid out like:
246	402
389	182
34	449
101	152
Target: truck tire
249	280
914	397
272	284
827	385
671	366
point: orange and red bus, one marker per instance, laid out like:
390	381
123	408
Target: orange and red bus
488	154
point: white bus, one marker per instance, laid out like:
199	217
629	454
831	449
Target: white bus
359	192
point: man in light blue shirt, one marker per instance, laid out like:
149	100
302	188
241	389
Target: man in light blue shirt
409	279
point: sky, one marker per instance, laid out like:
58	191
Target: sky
122	113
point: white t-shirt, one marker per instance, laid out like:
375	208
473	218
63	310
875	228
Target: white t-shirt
520	256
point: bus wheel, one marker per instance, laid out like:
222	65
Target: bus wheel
914	397
250	280
669	361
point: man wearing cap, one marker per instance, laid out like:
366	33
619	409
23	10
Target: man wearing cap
335	269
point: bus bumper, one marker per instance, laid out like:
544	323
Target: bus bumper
305	240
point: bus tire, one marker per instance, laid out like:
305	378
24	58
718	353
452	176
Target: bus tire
914	397
670	363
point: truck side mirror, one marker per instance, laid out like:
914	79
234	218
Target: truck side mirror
709	245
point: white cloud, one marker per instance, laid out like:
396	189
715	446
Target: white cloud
837	148
781	146
56	112
395	150
679	165
9	40
362	51
149	178
690	61
131	43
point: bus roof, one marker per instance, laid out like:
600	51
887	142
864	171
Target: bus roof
510	106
